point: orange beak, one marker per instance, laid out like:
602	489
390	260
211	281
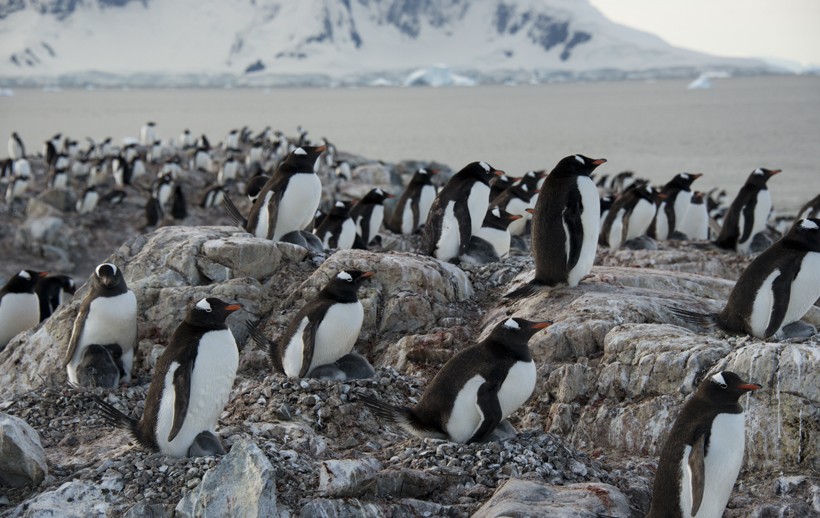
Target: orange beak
750	386
42	274
233	307
599	161
530	211
542	325
776	171
367	275
513	217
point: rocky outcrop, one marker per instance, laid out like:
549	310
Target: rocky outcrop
22	458
524	498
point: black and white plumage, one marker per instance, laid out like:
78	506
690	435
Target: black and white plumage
148	133
811	209
630	215
213	197
337	230
289	199
677	197
19	305
163	190
516	199
368	214
777	288
255	186
703	451
458	211
52	291
108	315
565	225
499	184
17	187
475	390
121	170
492	242
16	147
413	206
695	224
324	330
748	213
88	200
191	383
58	179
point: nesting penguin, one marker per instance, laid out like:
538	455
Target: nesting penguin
774	292
475	390
108	316
458	211
565	225
289	199
413	206
368	214
52	291
748	213
323	331
703	452
337	230
516	199
190	385
677	197
630	215
19	305
492	242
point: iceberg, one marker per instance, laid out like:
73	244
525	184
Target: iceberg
437	75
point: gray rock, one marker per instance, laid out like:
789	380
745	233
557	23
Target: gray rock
350	508
146	510
345	477
22	458
525	498
76	499
242	484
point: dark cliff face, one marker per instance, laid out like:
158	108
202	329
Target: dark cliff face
543	30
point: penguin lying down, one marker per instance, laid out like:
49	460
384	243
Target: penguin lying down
476	390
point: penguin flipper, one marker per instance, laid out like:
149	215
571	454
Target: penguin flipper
574	227
233	212
76	332
182	392
698	472
490	409
465	231
748	213
309	341
781	288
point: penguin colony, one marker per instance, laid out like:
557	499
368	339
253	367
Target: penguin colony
477	216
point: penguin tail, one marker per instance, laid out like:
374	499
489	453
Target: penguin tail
113	416
704	320
233	212
259	337
400	416
522	291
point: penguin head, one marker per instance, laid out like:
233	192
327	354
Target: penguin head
107	276
606	202
341	209
804	235
23	282
683	180
761	175
516	331
342	286
424	176
376	196
481	171
576	165
302	159
499	218
725	387
211	312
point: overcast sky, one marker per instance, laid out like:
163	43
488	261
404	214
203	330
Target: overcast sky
786	29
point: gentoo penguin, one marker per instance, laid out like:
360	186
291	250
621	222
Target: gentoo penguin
108	315
153	212
622	181
492	242
413	206
368	214
22	167
121	170
229	171
53	291
17	149
606	203
137	168
811	209
458	211
186	140
565	224
58	179
114	196
748	213
100	366
88	201
342	170
19	305
630	215
777	288
673	207
17	187
148	133
190	386
49	153
516	199
475	390
255	185
703	452
289	199
163	190
695	224
324	330
337	230
6	168
499	184
179	209
232	140
213	197
202	160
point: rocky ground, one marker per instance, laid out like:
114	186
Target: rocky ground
613	371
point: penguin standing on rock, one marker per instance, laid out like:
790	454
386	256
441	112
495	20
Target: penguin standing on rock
19	305
475	390
673	207
323	331
414	204
368	214
774	292
289	199
703	452
191	384
748	213
458	211
565	224
108	315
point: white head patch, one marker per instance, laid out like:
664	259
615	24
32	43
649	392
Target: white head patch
204	305
422	171
497	212
299	151
808	224
511	324
525	188
685	176
106	264
758	171
344	276
379	192
718	378
340	204
485	165
24	274
580	159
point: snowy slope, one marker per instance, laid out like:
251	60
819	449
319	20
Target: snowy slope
327	40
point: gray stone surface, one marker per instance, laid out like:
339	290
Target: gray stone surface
525	498
22	458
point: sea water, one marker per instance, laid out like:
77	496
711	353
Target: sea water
655	128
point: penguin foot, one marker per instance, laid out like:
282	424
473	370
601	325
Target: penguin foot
503	432
796	329
206	444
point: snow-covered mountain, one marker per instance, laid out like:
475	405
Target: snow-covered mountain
327	41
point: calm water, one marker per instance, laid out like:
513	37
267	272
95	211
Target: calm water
654	128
